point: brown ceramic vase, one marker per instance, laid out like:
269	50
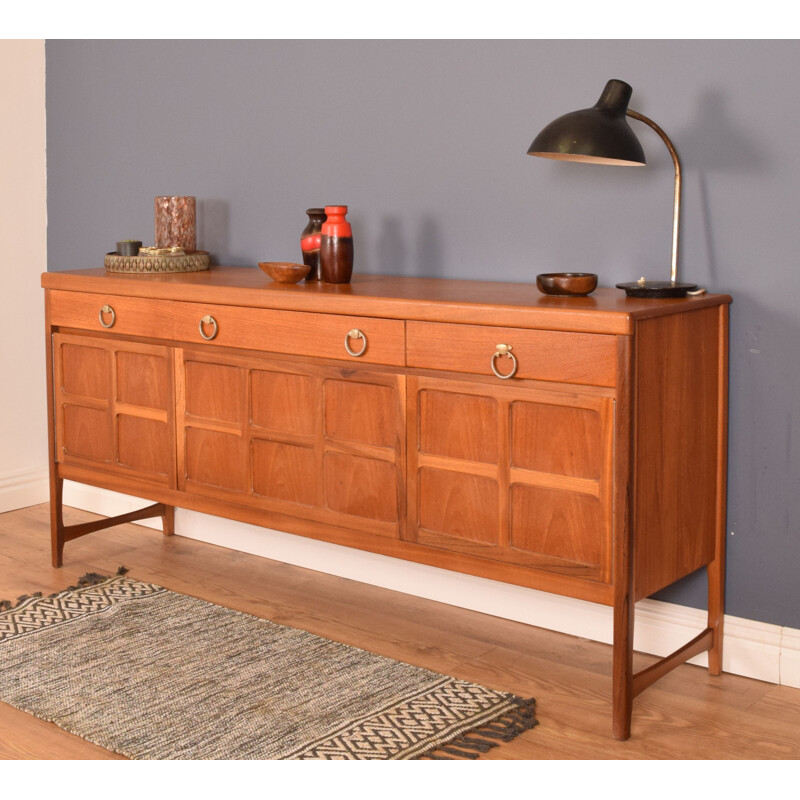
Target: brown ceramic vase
310	241
336	246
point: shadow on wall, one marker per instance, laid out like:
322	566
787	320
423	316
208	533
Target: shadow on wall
763	548
213	227
712	144
392	253
430	249
397	256
715	142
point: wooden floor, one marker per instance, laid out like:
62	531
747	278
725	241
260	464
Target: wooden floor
686	715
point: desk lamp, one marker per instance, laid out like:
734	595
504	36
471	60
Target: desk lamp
601	135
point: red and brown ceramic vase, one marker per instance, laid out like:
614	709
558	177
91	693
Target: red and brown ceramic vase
310	241
336	246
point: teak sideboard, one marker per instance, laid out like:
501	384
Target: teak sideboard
571	445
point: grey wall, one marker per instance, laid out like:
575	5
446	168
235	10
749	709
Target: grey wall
425	141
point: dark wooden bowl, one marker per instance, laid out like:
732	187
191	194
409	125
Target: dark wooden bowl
572	284
284	271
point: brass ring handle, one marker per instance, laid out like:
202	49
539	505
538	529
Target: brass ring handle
504	350
355	334
107	310
208	320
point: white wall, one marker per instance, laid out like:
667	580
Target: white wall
23	233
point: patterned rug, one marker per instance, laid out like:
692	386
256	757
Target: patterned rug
153	674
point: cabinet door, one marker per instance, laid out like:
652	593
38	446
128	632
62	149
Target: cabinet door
512	474
114	407
294	437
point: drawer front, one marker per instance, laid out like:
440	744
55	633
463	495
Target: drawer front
562	356
132	316
381	341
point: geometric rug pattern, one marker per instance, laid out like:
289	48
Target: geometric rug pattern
155	674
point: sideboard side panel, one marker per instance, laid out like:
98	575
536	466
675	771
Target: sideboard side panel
677	410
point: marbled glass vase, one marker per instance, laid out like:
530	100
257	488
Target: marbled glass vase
176	223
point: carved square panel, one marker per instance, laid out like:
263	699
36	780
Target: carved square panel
561	440
283	401
86	371
216	459
144	444
460	426
214	391
142	379
464	506
87	433
558	523
285	472
360	412
363	487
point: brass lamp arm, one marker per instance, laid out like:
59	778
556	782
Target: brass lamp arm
677	202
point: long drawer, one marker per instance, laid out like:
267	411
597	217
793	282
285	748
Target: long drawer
362	339
565	357
131	316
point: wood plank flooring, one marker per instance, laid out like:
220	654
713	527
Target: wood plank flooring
686	715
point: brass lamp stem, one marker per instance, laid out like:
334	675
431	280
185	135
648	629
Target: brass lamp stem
677	202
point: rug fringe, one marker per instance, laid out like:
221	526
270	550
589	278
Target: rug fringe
480	740
89	579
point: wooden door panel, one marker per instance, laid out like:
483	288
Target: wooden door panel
557	439
214	391
294	436
114	406
458	425
142	379
216	459
285	472
357	412
144	445
512	473
555	523
361	487
283	402
458	505
87	433
85	371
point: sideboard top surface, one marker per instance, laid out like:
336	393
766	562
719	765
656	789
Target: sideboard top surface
429	299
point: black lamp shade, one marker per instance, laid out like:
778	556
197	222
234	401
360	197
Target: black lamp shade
597	135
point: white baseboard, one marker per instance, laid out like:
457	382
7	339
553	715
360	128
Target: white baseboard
789	672
24	488
753	649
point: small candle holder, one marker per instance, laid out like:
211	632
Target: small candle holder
128	247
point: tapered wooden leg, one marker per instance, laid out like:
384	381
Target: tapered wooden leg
168	520
56	520
57	537
716	613
624	597
716	569
623	667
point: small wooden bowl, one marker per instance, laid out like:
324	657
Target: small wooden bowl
572	284
284	271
